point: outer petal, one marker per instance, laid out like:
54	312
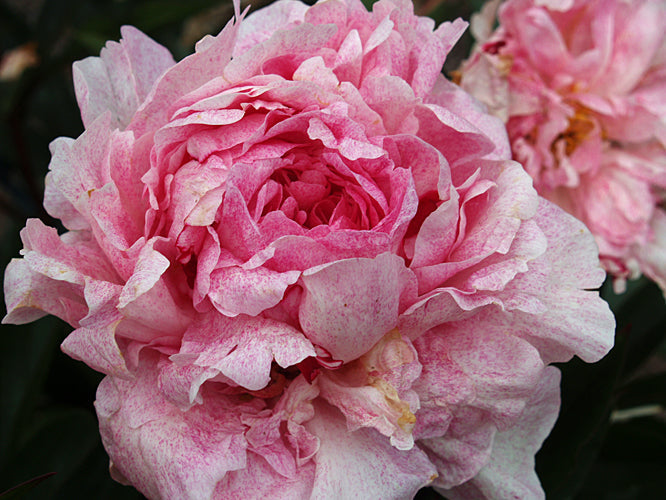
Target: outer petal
94	342
577	321
264	22
477	377
212	53
362	464
30	295
70	257
510	470
121	78
259	480
163	451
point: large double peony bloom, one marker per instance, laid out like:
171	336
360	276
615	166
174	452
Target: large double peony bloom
581	85
307	265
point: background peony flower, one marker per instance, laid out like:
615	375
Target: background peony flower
581	86
307	265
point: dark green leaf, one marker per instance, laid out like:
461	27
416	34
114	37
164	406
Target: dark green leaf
60	441
647	390
22	489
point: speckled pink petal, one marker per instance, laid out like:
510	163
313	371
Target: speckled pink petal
375	391
363	464
147	296
510	469
121	78
70	257
195	70
30	295
76	168
350	304
577	320
477	371
56	202
235	290
243	348
258	479
262	23
161	450
94	341
446	93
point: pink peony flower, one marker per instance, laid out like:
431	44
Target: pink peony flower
582	87
307	265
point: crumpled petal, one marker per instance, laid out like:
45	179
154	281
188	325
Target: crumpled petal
510	469
121	78
351	464
161	450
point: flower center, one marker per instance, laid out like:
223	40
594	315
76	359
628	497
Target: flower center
311	193
580	127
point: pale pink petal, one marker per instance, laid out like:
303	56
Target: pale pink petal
149	297
121	78
76	168
94	341
510	469
161	450
259	479
71	257
478	376
30	295
235	290
375	391
243	348
55	202
350	304
362	463
576	320
187	75
262	23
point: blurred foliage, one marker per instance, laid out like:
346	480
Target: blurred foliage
610	439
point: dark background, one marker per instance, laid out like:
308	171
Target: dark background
47	420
